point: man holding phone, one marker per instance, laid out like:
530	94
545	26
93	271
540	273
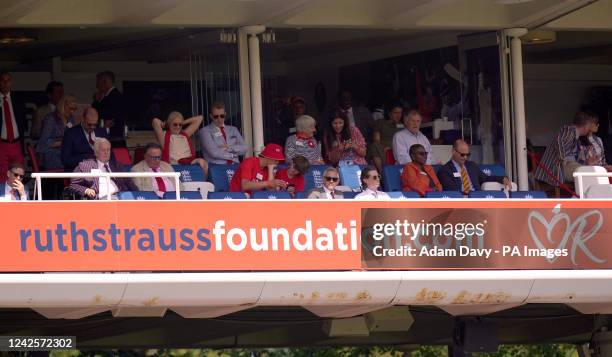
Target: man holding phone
294	174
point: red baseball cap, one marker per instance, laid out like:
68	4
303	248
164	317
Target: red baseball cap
274	152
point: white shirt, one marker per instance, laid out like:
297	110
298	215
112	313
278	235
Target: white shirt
169	183
102	184
368	194
403	140
3	135
328	193
8	194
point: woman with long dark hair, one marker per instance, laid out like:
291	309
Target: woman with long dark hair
343	143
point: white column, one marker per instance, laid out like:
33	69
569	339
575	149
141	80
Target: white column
245	90
518	99
255	75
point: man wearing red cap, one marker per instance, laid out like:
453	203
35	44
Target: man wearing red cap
253	173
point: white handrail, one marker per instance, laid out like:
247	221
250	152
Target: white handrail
107	176
580	175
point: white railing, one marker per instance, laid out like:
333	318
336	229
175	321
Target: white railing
580	183
106	175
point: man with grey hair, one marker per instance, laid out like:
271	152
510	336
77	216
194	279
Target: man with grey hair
331	179
94	187
303	142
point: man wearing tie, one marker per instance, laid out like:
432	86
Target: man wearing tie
220	143
100	188
79	140
12	125
153	163
13	189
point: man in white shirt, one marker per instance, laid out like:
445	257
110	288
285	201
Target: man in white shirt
153	163
404	139
13	189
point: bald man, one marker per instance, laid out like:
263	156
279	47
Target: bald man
78	141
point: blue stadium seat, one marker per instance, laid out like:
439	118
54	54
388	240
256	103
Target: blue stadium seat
403	194
126	168
349	195
493	170
350	175
221	175
487	194
271	195
185	195
392	177
190	173
313	177
137	195
436	167
301	195
444	194
226	196
528	194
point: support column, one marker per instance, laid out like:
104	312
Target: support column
255	83
518	98
245	90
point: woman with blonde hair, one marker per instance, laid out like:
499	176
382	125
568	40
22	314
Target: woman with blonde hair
50	142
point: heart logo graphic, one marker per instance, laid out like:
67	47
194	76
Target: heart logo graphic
550	228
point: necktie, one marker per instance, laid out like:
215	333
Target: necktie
8	120
91	140
161	186
16	196
465	180
229	162
333	195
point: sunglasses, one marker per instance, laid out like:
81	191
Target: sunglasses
155	157
331	179
219	116
17	175
374	177
464	154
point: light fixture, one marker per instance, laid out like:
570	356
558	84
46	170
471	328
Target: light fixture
537	37
11	40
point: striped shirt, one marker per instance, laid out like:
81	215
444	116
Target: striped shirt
309	148
564	147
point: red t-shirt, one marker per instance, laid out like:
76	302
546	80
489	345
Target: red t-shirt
297	181
249	169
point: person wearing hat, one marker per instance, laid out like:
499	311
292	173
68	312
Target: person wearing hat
255	173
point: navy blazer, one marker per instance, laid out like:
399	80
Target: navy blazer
19	112
451	183
76	148
111	107
3	186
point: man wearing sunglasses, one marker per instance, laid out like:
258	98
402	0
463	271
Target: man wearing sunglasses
79	140
331	179
461	174
220	143
153	163
13	189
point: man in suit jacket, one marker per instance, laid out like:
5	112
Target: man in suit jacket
331	179
153	163
460	174
357	116
93	187
13	189
79	140
12	125
109	104
220	143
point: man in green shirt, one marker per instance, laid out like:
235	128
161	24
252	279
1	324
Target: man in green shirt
382	137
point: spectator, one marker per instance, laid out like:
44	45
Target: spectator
255	173
417	176
560	157
94	187
79	140
303	142
343	143
331	178
13	189
370	182
293	175
591	150
460	174
404	139
12	125
54	91
109	104
53	127
153	163
382	137
288	116
177	147
357	116
220	143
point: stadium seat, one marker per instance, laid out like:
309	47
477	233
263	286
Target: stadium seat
271	195
403	195
185	195
221	175
226	195
137	195
389	156
444	194
392	178
122	156
590	181
350	195
528	194
126	168
487	194
301	195
203	187
350	176
492	170
599	191
314	177
139	154
190	172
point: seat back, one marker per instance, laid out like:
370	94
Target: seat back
190	173
389	156
528	194
350	176
444	194
402	195
203	187
590	181
349	195
314	177
271	195
226	195
493	170
122	156
185	195
221	175
487	194
137	195
392	177
139	154
301	195
599	191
